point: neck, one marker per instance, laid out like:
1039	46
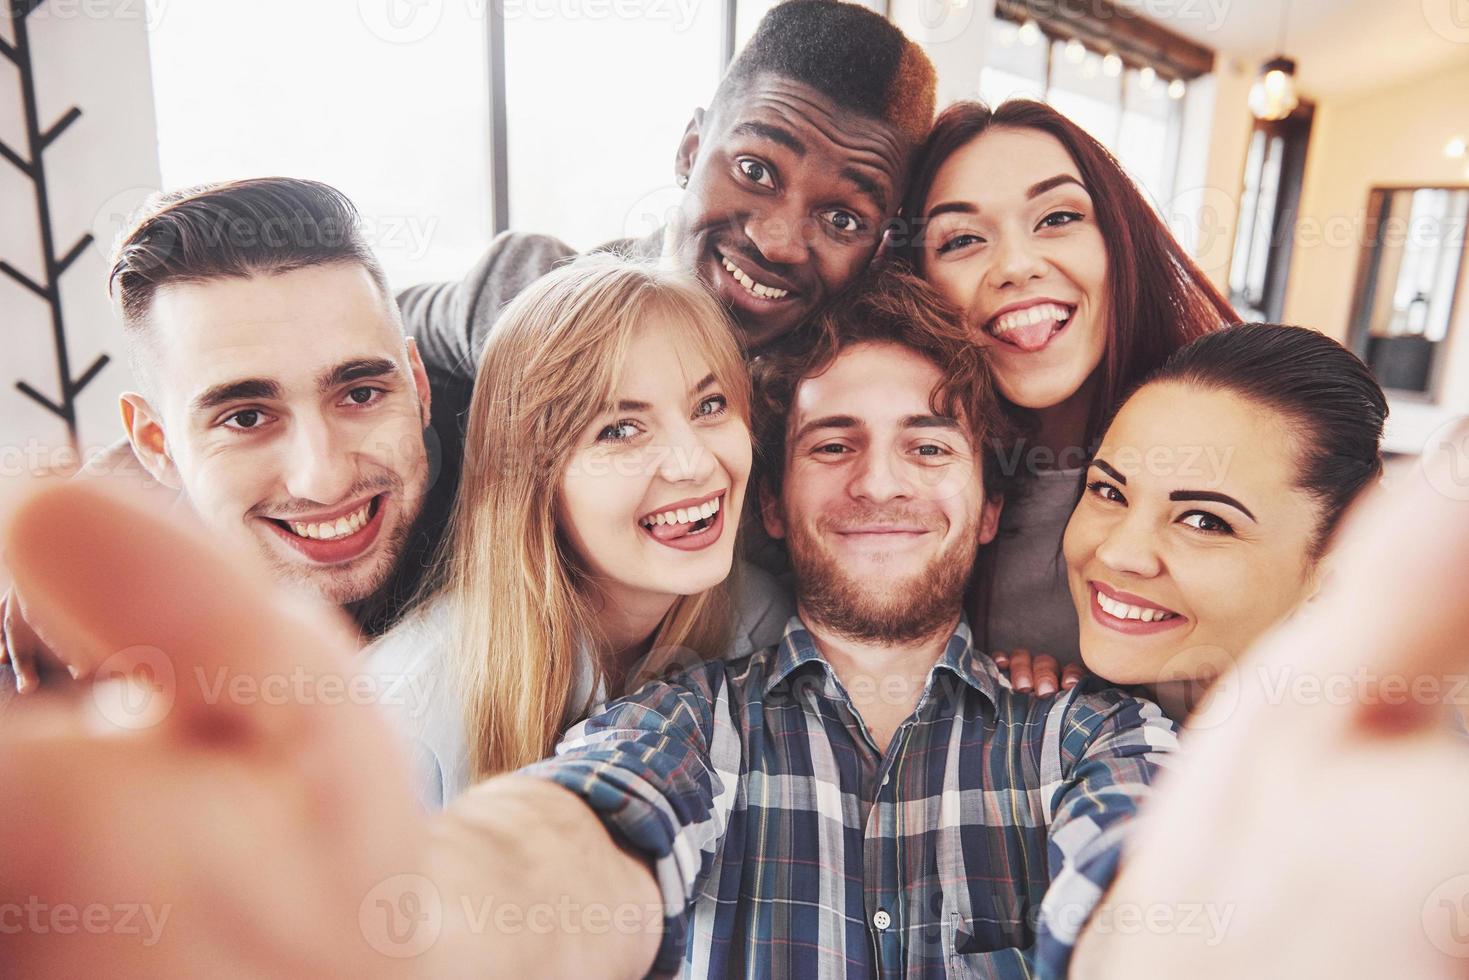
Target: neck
1061	429
628	621
884	680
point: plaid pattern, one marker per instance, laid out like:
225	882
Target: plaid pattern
785	845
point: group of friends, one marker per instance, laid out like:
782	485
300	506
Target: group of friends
707	576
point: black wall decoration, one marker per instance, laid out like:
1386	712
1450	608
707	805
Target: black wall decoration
33	166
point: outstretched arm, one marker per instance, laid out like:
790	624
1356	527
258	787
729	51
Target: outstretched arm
226	794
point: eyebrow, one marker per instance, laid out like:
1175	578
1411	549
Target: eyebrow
1182	495
1212	497
632	406
355	370
233	391
852	422
775	134
1036	190
866	186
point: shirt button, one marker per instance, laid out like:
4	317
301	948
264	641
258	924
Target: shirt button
882	920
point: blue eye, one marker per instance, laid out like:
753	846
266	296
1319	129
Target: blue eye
713	405
618	431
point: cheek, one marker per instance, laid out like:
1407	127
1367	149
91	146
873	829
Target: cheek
954	281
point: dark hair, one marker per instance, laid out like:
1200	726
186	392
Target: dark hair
231	230
888	305
1327	395
845	51
1160	299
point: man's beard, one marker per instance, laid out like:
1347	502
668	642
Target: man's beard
888	612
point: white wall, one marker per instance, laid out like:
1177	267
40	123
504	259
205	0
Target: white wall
1389	136
92	55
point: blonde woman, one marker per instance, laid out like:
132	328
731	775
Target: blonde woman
606	459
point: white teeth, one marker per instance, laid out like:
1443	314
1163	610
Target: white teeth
1122	610
684	515
331	530
1040	313
753	287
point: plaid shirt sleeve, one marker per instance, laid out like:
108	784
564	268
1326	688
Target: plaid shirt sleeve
1111	745
661	768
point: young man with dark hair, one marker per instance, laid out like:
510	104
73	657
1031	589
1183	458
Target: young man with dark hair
276	392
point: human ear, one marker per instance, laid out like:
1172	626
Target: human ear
688	148
145	433
772	515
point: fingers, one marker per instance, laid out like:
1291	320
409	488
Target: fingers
1072	675
1046	671
19	645
1021	678
128	594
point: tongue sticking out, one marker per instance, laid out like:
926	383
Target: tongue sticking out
1032	336
667	532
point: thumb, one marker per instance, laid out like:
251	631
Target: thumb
148	601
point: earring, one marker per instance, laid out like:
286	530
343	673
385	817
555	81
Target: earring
682	181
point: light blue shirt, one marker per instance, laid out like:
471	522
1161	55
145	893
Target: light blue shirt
413	667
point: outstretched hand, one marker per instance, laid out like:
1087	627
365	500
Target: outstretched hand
216	802
1315	824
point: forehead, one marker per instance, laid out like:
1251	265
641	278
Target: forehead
999	166
876	383
661	362
1174	435
286	326
828	132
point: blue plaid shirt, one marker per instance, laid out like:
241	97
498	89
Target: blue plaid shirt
786	845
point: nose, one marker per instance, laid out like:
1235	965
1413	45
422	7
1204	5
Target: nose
778	235
878	478
1130	547
686	458
318	466
1016	261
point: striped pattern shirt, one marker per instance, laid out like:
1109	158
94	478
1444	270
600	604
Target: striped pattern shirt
786	845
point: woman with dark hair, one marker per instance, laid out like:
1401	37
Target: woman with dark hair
1211	503
1063	271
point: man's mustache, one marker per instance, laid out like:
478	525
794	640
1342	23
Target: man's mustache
385	483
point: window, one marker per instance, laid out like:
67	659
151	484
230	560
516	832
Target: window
1274	167
1130	109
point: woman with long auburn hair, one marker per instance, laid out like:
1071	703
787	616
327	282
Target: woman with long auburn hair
606	459
1065	273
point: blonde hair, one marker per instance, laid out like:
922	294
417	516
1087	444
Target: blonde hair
520	612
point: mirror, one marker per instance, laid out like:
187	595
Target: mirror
1411	260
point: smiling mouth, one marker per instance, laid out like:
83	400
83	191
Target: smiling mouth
752	286
1031	328
1130	617
341	527
688	525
